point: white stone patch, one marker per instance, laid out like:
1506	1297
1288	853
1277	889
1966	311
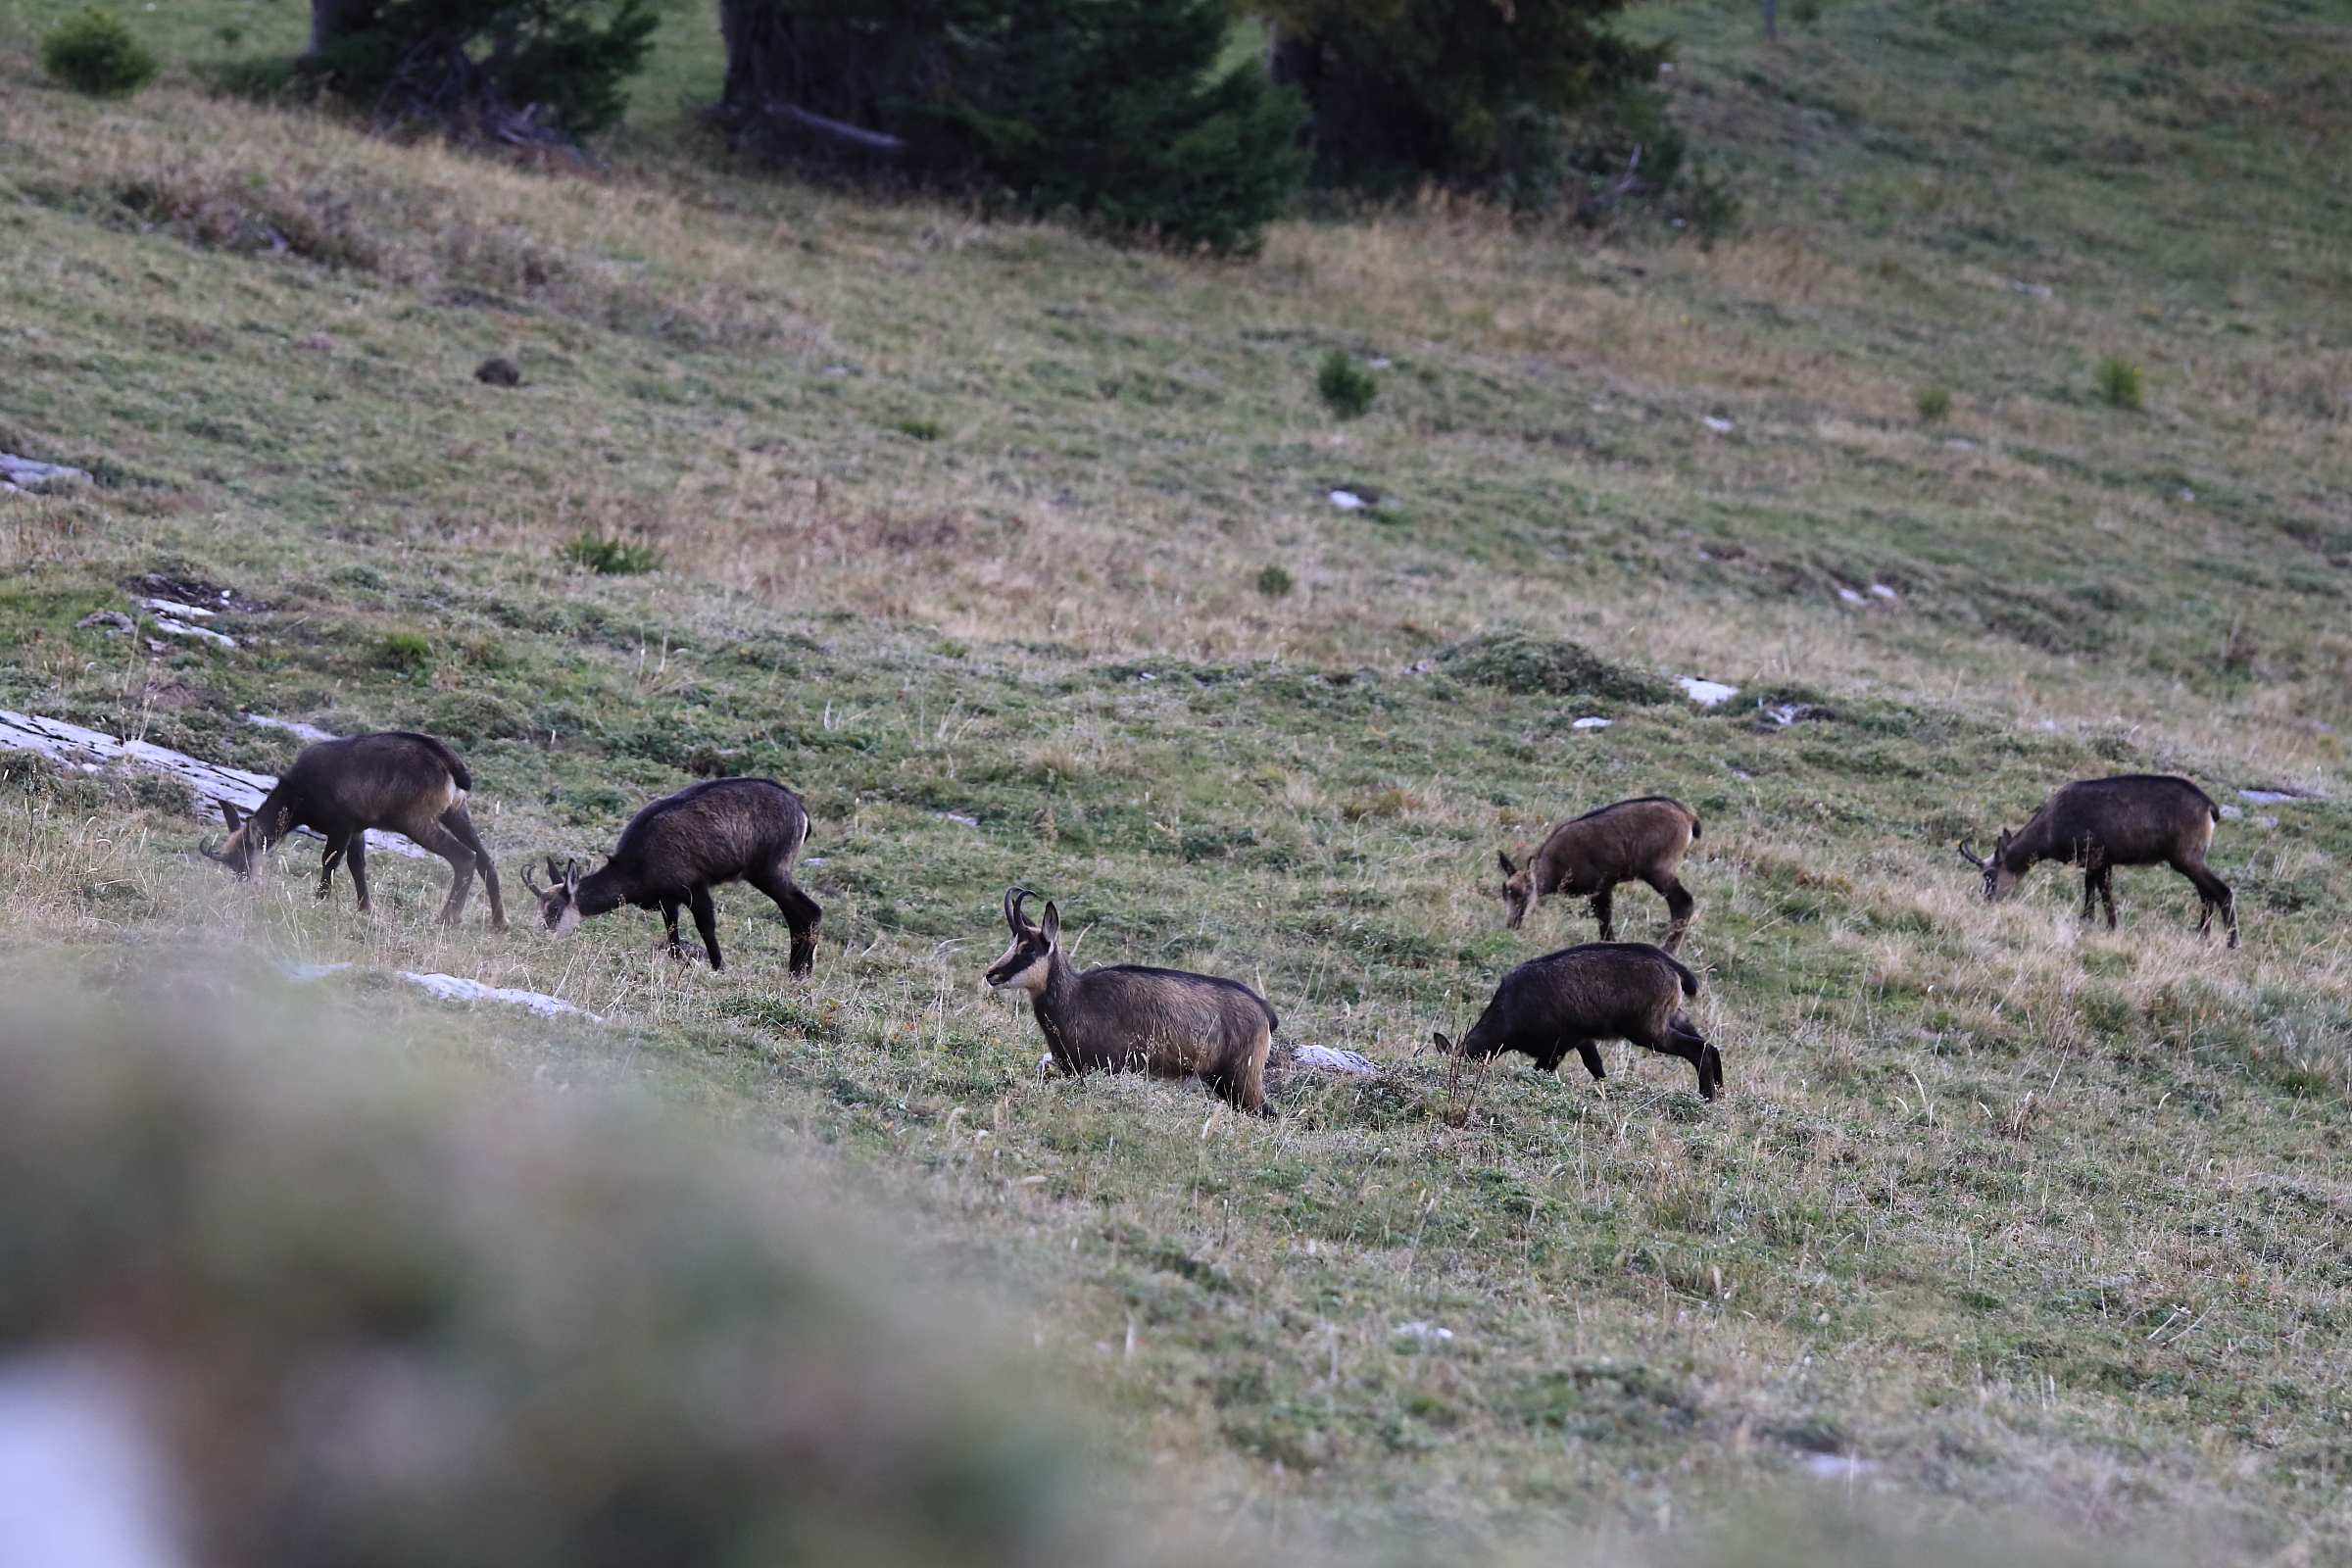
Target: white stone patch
1838	1466
1591	722
16	473
1345	499
304	973
959	817
1850	594
1422	1331
1879	590
308	732
1335	1060
88	750
2267	797
1720	427
449	988
1705	693
84	1481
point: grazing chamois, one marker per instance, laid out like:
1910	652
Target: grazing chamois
672	851
1574	998
1125	1017
2101	824
392	779
1633	841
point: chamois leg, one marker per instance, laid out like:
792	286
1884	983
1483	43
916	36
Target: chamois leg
436	839
327	862
2107	893
1604	909
461	826
706	920
1242	1086
1693	1048
1589	1051
669	923
355	859
2090	889
800	913
1678	908
2213	893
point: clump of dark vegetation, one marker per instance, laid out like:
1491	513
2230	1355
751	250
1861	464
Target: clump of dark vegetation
1933	404
2119	382
922	429
1274	582
404	653
1518	663
608	555
97	54
498	371
1345	387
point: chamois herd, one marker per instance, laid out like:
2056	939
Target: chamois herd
1167	1022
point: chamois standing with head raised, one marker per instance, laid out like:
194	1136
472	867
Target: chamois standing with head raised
1576	998
391	780
1632	841
1126	1017
674	851
2101	824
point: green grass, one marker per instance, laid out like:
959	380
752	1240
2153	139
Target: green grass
2033	1216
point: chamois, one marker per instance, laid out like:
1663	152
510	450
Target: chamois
1633	841
1127	1018
392	779
672	851
1573	999
2101	824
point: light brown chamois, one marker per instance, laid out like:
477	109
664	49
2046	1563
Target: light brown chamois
674	851
2101	824
1642	840
1576	998
1125	1017
392	780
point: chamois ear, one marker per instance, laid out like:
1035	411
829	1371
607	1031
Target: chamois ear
571	877
2000	846
1509	869
228	815
1444	1044
1050	927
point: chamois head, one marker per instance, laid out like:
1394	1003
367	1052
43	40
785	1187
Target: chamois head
1999	880
1029	961
560	903
244	849
1518	888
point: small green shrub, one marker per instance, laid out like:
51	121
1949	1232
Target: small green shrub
408	653
1933	403
922	430
96	53
1274	582
1518	663
1345	387
2119	382
608	557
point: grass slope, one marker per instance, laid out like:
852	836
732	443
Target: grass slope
2030	1215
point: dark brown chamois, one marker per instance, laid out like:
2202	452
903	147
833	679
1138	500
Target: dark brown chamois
1633	841
2101	824
1127	1018
1578	997
674	851
391	780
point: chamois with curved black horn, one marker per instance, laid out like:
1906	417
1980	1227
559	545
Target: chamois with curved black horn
671	854
1576	998
2101	824
392	780
1125	1017
1632	841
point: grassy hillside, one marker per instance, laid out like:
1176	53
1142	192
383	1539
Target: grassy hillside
962	528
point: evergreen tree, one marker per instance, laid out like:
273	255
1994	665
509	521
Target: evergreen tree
489	58
1517	93
1109	107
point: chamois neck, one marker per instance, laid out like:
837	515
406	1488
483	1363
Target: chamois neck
601	893
1051	1000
